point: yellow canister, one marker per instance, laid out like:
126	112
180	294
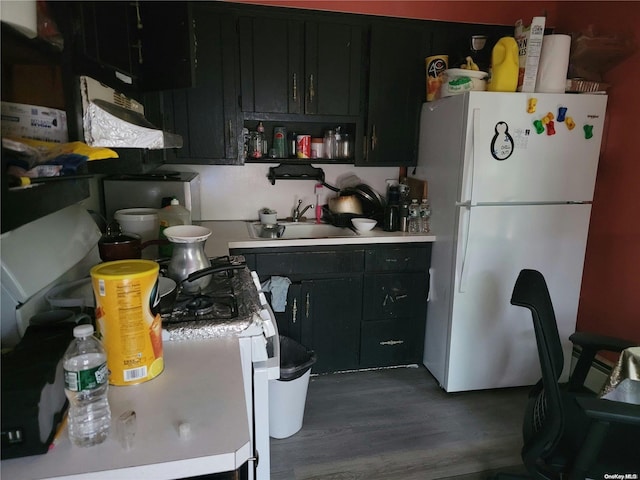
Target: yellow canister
128	321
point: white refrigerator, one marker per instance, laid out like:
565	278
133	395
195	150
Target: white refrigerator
511	179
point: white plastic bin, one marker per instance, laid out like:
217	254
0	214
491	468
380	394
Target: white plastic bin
288	394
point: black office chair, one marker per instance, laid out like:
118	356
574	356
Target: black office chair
569	432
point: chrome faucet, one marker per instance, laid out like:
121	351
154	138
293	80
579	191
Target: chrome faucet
297	213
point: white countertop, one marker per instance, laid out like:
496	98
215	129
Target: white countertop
201	385
235	234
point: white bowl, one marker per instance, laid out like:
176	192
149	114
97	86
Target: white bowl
141	221
460	80
363	224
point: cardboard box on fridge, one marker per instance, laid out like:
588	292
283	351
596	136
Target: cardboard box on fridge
529	41
35	122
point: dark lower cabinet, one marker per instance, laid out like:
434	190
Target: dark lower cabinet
393	318
324	300
331	322
355	306
391	342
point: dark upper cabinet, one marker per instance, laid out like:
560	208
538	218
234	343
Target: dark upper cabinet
207	115
333	56
132	46
271	64
396	93
296	66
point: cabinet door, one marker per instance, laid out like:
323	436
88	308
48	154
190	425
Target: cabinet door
290	321
396	93
398	258
104	42
331	311
333	53
166	48
395	295
206	116
290	66
133	46
271	64
391	342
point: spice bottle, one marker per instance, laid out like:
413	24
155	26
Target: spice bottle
330	147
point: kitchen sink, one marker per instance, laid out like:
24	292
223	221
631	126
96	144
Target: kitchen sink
294	230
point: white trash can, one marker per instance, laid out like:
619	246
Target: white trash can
288	394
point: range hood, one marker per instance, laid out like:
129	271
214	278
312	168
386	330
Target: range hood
113	120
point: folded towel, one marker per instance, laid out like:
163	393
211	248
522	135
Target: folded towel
279	287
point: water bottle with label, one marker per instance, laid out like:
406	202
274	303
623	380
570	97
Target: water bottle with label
425	214
86	383
414	217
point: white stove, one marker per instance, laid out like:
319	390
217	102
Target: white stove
233	304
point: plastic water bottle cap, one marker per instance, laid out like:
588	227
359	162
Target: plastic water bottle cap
82	331
175	201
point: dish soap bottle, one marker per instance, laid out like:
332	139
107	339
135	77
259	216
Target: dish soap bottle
172	214
504	66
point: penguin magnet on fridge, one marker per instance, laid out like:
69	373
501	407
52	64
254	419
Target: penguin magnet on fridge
502	143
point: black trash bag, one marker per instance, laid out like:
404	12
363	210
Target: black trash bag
295	359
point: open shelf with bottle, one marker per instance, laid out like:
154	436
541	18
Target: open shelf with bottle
351	128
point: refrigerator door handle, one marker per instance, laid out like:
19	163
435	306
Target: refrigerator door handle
432	292
474	146
465	247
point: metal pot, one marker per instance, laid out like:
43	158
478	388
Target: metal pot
115	245
188	255
371	202
272	231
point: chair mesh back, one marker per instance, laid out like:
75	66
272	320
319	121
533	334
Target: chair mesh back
546	417
531	291
539	412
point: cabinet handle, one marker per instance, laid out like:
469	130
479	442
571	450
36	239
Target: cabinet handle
138	46
230	134
139	25
387	298
394	297
294	310
308	302
312	91
295	87
391	342
374	138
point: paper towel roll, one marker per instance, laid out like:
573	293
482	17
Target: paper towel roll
554	63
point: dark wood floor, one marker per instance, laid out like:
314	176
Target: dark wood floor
398	424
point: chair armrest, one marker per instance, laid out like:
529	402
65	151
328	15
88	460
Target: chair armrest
603	412
610	411
594	341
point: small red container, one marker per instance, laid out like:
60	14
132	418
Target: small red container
303	146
